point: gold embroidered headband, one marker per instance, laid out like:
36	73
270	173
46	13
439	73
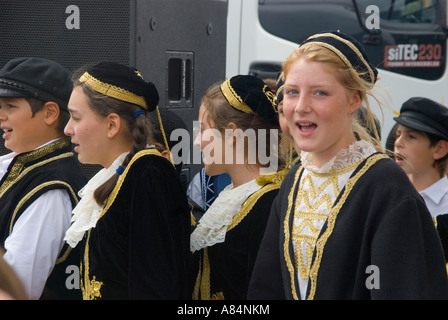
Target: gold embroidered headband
250	94
348	50
233	98
113	91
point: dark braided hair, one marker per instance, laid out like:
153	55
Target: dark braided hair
111	87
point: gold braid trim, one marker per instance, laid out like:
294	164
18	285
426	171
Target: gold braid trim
123	95
91	287
113	91
203	282
63	256
203	277
120	181
32	192
233	98
276	177
287	235
249	204
167	147
16	173
279	90
197	283
201	290
320	244
268	182
341	55
271	96
192	219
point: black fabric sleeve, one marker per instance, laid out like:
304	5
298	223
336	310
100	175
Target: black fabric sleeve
159	234
266	282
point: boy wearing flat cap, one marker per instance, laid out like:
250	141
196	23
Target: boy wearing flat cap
40	178
421	149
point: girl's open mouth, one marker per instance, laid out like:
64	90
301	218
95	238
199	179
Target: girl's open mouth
306	128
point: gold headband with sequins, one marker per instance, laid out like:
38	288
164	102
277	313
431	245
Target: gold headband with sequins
113	91
339	53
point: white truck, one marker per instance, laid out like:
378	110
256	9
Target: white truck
405	39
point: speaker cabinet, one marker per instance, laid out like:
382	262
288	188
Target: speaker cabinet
179	45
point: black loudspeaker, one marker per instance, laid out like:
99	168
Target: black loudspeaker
179	45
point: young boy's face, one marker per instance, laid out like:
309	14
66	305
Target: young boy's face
413	151
21	131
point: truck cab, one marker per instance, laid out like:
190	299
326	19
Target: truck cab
405	39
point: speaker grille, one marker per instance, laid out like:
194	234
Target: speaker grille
38	29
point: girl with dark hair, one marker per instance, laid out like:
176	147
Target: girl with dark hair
133	218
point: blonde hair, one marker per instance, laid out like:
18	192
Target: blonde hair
350	79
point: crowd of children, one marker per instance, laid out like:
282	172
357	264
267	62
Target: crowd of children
328	207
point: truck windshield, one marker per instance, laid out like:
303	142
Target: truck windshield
401	36
404	11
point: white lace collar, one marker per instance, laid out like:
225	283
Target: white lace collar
212	227
357	151
87	211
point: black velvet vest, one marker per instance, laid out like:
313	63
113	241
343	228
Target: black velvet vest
29	176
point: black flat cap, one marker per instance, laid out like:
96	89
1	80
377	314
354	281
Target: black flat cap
423	114
248	94
38	78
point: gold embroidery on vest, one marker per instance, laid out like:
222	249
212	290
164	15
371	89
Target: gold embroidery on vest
16	173
249	204
34	191
331	219
203	279
116	189
287	235
91	288
307	194
218	296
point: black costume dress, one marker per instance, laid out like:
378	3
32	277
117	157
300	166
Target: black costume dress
378	242
140	244
30	175
223	270
441	222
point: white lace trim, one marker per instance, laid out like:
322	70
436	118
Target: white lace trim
357	151
87	211
212	227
